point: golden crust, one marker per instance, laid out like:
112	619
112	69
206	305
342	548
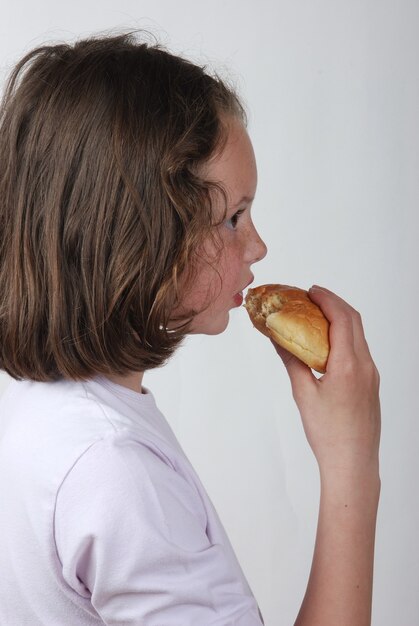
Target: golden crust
288	316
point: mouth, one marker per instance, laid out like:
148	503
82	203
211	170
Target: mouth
249	283
238	298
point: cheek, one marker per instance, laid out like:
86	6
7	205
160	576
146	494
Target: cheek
206	287
218	276
231	261
215	284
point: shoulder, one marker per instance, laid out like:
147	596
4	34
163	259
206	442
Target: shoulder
129	528
123	464
121	487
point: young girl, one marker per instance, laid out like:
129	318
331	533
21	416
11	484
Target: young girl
126	186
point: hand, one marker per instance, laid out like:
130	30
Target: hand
341	410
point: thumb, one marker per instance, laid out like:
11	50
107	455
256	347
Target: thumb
300	374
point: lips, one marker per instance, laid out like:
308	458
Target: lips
249	283
238	297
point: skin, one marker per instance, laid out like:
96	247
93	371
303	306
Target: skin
340	411
235	169
341	418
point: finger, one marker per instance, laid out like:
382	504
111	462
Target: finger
361	345
346	321
300	374
341	331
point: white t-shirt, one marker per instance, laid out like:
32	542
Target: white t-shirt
103	519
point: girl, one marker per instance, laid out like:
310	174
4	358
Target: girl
125	193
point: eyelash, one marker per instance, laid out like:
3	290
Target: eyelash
236	218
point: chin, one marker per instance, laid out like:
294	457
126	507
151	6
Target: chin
213	326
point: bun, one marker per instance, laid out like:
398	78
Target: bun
288	316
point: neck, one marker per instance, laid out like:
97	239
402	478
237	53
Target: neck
132	381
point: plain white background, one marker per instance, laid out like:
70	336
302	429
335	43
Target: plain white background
332	92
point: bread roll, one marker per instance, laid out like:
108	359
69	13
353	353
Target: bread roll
288	316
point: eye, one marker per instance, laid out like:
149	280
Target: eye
233	220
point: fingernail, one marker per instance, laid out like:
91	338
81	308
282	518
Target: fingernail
314	287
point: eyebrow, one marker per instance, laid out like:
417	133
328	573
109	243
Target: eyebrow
246	199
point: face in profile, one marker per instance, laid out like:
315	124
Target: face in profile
218	285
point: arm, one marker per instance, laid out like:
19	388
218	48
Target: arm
131	538
341	418
339	590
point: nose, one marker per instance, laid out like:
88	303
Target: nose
256	249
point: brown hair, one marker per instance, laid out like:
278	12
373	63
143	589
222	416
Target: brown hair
102	208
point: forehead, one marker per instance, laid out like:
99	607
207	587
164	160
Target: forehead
235	166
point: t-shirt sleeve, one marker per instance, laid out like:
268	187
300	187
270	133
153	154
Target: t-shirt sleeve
130	534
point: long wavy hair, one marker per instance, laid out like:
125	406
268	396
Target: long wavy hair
102	206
